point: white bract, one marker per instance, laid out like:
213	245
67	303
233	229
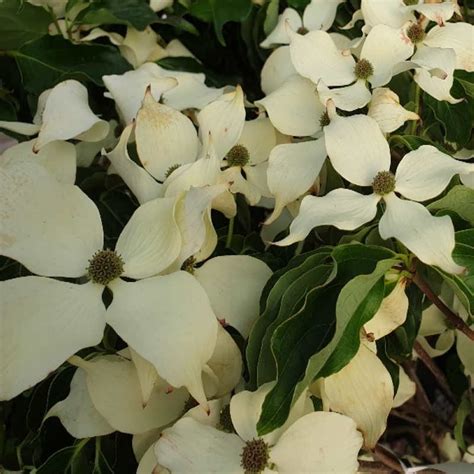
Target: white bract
360	153
307	442
159	316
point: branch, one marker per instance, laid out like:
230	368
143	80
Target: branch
452	317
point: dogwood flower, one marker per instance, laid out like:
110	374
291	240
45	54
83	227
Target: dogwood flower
66	239
312	442
63	113
360	154
180	90
318	15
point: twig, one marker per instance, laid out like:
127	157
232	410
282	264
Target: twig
434	369
452	317
383	457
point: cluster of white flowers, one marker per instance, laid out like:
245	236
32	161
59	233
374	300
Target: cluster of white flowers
170	300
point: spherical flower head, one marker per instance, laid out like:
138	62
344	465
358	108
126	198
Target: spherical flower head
225	420
363	69
171	169
238	156
105	266
416	33
324	120
383	183
255	456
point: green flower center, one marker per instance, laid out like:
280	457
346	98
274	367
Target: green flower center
238	156
383	183
105	266
363	69
171	169
416	33
255	456
188	265
225	420
324	120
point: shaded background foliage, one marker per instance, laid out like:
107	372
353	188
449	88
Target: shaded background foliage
224	35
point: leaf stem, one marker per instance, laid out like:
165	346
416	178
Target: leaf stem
452	317
230	233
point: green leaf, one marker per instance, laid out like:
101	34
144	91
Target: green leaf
323	335
463	252
221	12
136	13
466	80
453	118
459	199
21	22
413	142
52	59
70	460
464	410
271	16
463	287
298	3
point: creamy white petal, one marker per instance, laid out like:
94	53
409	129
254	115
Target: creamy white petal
224	120
367	400
147	462
276	70
259	137
191	212
430	238
142	185
424	173
246	407
190	92
292	170
294	108
288	18
465	352
386	110
151	240
6	142
147	375
257	177
443	59
34	312
457	36
128	89
20	127
191	447
67	115
164	136
87	151
406	389
385	47
141	442
57	235
334	67
115	391
318	442
238	184
169	321
440	12
140	46
357	148
432	321
213	417
342	208
204	171
348	98
234	284
59	158
115	38
320	14
387	12
391	313
442	345
77	413
225	363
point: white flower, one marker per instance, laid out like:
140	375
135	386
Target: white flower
315	442
63	113
318	15
62	236
360	154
